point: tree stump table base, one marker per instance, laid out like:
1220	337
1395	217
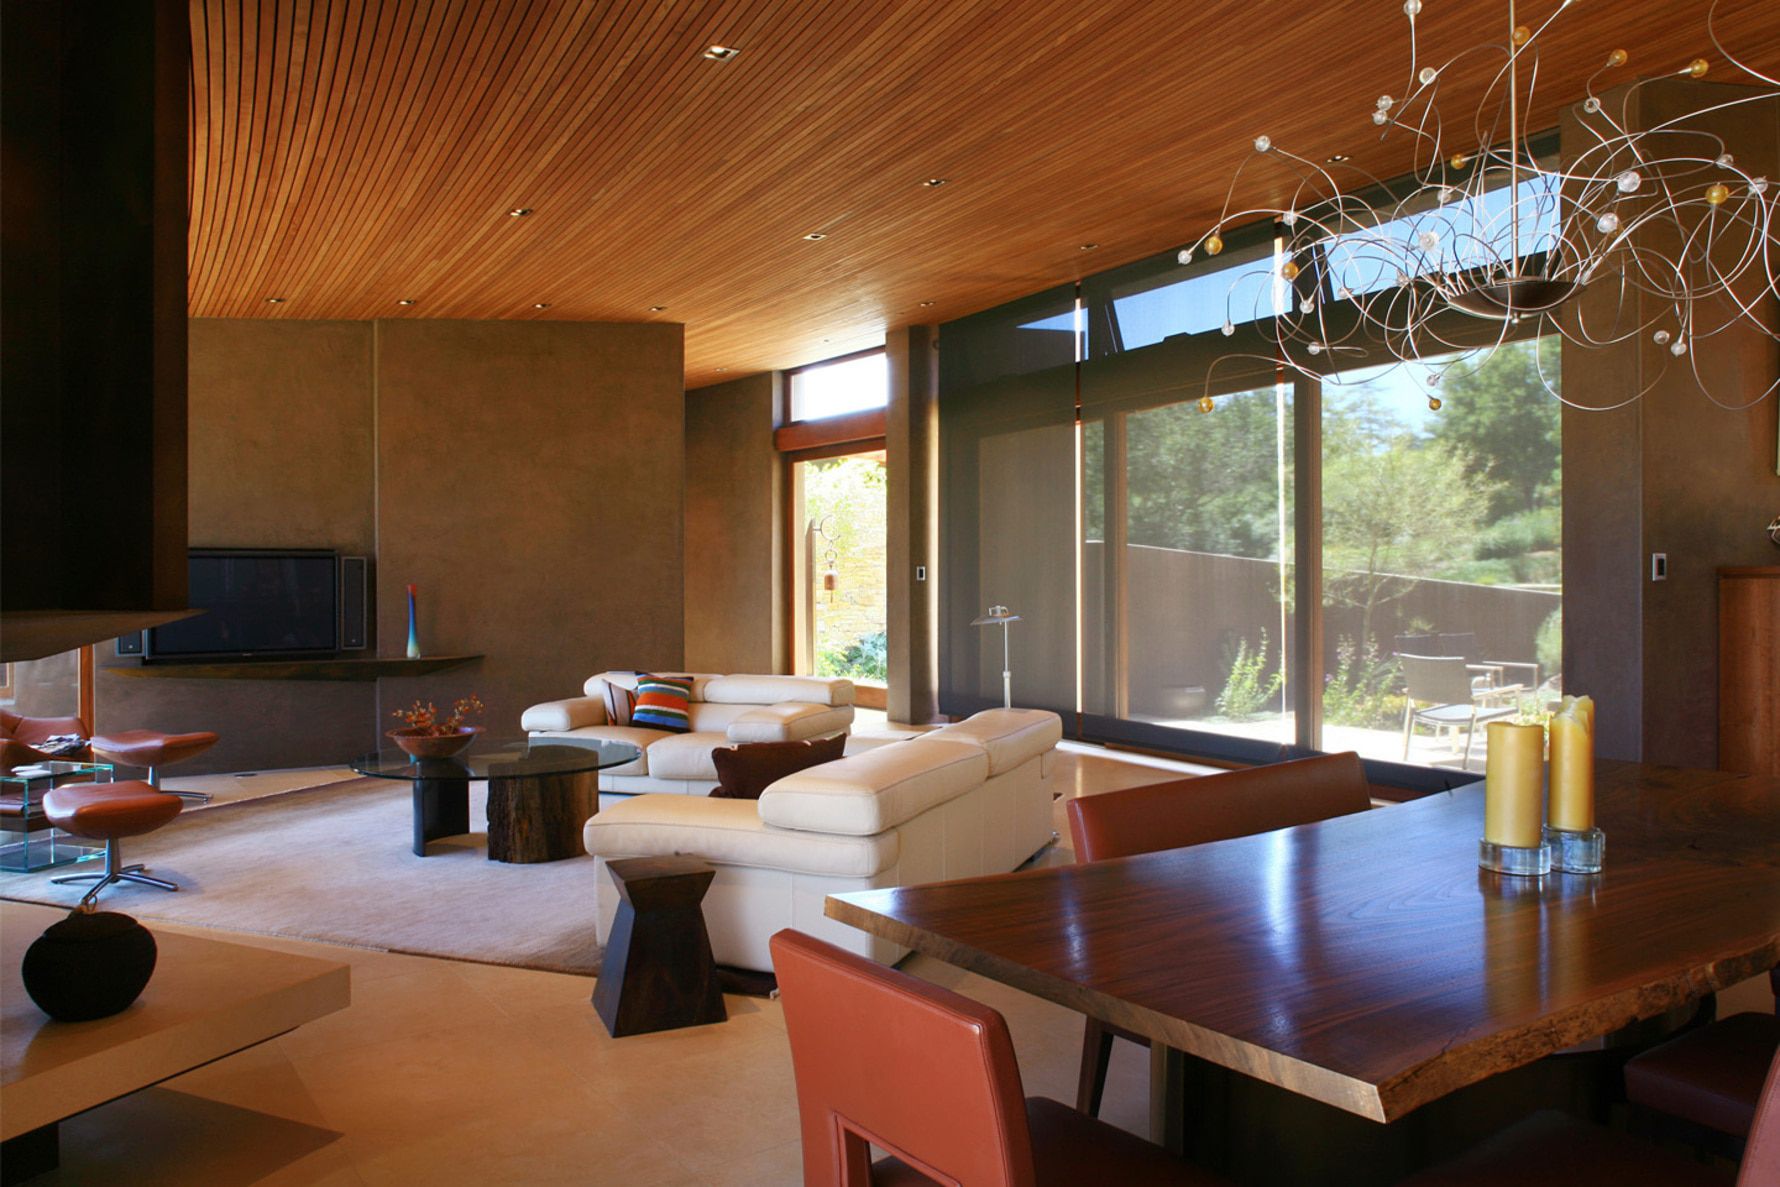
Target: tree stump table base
534	818
658	973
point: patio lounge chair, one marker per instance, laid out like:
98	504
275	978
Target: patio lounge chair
1442	686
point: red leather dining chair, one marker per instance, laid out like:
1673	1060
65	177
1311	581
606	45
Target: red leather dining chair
1193	812
1556	1149
929	1077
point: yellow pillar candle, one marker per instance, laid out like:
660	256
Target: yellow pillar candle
1512	785
1573	766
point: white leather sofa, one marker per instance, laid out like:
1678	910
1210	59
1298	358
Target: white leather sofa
724	710
971	798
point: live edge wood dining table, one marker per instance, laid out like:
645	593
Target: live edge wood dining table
1298	981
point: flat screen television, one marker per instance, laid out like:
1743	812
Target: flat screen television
257	602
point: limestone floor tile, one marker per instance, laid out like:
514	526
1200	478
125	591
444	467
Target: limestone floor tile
406	1086
430	996
520	993
540	1140
778	1166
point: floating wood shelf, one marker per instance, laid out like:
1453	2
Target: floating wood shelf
299	669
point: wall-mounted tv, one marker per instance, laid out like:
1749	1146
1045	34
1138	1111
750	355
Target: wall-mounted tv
257	602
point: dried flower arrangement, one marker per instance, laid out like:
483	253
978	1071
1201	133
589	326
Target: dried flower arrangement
423	721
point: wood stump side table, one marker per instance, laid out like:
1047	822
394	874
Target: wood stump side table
658	973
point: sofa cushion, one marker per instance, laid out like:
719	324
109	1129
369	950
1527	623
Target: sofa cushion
642	739
663	703
730	832
711	718
770	690
743	772
868	793
685	756
571	714
1008	736
790	721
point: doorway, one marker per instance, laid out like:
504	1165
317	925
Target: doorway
840	607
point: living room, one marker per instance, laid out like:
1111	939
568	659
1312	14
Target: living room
988	409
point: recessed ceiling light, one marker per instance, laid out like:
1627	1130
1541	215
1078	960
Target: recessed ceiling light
934	182
722	368
721	53
541	305
274	300
1089	246
657	308
814	236
925	304
1339	158
519	212
405	301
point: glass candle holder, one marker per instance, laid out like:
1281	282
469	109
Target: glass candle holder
1514	802
1576	851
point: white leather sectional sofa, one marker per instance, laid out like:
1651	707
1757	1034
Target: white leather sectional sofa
725	710
970	798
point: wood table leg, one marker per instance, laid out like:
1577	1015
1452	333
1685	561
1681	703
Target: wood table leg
1168	1098
658	973
539	817
441	809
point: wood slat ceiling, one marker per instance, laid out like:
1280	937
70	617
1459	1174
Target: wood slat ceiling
349	155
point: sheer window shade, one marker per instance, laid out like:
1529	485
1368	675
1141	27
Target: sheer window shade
1007	487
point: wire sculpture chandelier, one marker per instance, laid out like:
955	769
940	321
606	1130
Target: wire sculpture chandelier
1654	233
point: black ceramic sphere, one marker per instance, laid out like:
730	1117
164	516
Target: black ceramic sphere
89	966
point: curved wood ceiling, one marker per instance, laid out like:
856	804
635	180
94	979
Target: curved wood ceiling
348	155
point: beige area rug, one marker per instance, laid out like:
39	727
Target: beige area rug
333	864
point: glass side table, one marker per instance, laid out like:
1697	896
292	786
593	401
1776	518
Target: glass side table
27	842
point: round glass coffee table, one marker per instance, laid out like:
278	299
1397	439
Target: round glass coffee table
540	791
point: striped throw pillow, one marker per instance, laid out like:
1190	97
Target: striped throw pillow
663	703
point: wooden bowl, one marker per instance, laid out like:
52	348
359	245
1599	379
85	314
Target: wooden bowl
434	745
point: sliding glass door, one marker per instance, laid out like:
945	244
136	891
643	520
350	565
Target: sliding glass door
1188	522
1442	586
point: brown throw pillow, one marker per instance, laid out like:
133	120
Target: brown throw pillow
744	771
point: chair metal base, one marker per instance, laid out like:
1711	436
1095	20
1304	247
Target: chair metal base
197	797
114	873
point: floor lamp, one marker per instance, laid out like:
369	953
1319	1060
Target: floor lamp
999	616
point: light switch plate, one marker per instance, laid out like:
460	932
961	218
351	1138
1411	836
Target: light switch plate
920	572
1659	566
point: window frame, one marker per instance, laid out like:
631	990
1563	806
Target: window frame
785	418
